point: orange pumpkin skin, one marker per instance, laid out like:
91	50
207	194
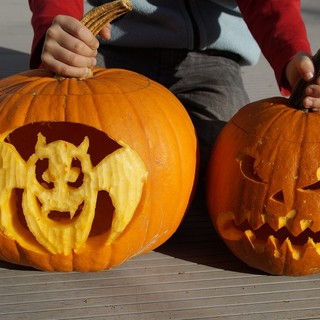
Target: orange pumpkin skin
263	187
127	108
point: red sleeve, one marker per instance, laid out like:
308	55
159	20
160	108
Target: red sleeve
43	12
278	28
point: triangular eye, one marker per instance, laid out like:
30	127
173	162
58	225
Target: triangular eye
315	186
278	196
247	168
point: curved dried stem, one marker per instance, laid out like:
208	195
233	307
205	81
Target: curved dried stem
100	16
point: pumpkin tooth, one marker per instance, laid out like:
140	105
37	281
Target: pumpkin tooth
273	241
257	245
316	245
256	221
273	223
305	223
295	251
315	227
286	221
273	246
243	216
263	218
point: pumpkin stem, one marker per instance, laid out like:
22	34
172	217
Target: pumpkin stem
100	16
298	94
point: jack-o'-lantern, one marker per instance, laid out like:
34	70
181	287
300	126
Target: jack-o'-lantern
264	185
88	168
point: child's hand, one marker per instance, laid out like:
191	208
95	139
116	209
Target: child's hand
301	66
70	48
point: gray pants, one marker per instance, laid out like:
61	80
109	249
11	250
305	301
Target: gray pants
208	84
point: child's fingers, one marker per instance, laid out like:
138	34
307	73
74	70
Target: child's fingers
312	99
77	30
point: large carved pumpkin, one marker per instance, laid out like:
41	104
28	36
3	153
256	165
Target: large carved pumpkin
92	171
264	186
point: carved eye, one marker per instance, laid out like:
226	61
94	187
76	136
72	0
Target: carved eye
41	168
247	168
43	175
76	174
249	172
312	187
278	196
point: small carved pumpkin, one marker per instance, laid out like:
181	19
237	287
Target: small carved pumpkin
92	171
264	186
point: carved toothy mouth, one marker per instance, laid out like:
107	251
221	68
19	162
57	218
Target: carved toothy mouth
265	238
100	225
65	217
283	234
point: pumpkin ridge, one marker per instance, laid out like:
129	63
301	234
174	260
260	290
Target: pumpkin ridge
178	146
97	118
165	115
169	125
143	129
37	87
138	82
259	115
302	143
151	236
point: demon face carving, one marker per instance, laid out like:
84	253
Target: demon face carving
59	205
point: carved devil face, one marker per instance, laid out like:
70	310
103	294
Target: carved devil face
264	189
60	188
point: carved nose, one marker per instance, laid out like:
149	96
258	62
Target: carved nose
61	198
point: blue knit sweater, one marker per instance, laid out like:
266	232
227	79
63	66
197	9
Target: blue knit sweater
188	24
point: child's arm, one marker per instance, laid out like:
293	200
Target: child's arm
43	13
279	29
